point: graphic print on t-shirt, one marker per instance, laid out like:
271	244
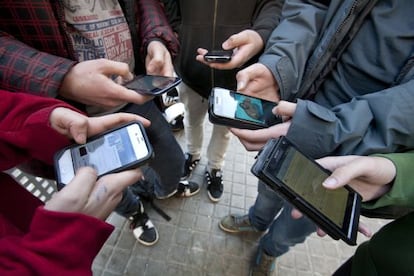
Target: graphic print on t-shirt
98	29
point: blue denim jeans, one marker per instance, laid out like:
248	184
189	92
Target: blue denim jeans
168	159
272	212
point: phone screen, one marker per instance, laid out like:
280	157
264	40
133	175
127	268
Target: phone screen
153	85
233	105
111	151
304	177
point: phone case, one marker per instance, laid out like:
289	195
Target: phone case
139	163
263	158
213	118
154	90
220	56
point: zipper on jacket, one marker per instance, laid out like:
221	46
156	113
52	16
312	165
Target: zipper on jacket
213	39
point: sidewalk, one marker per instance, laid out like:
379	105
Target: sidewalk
192	243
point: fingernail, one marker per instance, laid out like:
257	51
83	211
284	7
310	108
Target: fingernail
330	182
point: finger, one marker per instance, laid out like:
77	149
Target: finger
117	182
120	95
69	123
363	229
110	68
343	175
102	123
82	184
296	214
333	162
320	232
243	78
285	108
202	51
234	41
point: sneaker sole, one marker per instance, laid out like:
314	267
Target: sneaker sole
227	229
167	196
214	199
148	243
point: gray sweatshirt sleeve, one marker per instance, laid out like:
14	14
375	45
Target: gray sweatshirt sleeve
291	43
380	122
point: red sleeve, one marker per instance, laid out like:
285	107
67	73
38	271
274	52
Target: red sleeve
49	248
25	132
154	26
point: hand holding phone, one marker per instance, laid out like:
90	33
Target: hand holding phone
220	56
298	179
234	109
152	85
115	150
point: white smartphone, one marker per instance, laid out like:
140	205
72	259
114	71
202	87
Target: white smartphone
234	109
118	149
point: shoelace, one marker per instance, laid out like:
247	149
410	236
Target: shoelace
241	220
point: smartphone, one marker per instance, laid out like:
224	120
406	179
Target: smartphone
233	109
118	149
221	56
298	179
152	85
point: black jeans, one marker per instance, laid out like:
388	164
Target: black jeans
168	159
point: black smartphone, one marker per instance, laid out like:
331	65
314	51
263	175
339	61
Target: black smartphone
115	150
221	56
152	85
298	179
234	109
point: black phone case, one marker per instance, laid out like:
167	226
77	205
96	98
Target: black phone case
139	163
213	118
156	91
262	159
220	56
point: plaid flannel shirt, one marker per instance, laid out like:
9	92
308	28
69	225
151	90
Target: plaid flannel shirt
35	53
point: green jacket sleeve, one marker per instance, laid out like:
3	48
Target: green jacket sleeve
402	191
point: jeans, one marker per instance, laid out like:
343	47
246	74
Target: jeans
195	112
272	212
168	159
128	205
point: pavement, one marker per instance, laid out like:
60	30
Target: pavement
191	243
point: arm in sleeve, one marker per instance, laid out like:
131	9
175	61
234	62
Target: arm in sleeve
23	68
25	130
173	13
154	26
266	17
292	42
402	191
380	122
56	244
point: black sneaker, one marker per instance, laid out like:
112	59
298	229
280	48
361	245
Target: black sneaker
142	227
177	124
189	165
214	184
187	188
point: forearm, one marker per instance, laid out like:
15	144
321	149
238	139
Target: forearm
25	130
291	42
23	68
48	250
154	26
267	16
402	191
